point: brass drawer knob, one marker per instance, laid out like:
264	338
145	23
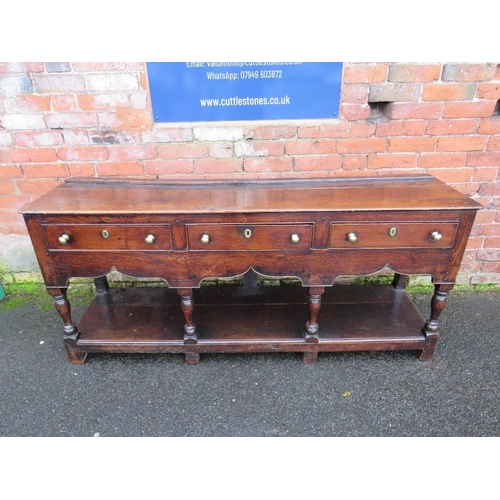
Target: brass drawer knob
64	238
149	239
205	239
352	237
295	238
436	236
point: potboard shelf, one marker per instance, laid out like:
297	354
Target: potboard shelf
236	319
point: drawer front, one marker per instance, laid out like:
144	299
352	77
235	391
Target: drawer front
107	237
249	236
393	235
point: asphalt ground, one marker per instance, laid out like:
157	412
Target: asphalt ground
261	395
413	408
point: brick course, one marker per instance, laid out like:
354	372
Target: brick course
60	120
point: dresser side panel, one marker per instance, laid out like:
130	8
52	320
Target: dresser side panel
43	256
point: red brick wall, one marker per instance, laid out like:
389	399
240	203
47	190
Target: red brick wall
60	120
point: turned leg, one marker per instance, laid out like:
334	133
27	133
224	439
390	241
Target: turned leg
431	327
187	306
190	335
311	332
101	284
400	281
71	333
314	305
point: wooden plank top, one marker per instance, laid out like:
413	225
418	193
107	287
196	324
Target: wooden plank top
125	196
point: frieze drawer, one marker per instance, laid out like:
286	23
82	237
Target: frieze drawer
107	237
249	236
393	235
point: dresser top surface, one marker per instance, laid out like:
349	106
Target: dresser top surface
125	196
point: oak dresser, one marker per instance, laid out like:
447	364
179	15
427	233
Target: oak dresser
313	230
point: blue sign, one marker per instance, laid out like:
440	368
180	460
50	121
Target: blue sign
217	91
